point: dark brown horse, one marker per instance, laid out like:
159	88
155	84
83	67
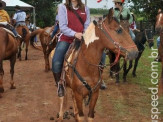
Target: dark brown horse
25	34
8	50
47	45
159	27
84	78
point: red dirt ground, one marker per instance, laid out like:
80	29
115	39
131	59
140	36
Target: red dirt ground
35	98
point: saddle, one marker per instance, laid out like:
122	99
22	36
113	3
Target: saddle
8	30
71	58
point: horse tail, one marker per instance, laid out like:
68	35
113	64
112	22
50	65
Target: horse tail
24	32
32	38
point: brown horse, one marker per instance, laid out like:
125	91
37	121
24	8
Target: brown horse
85	78
25	34
159	27
8	50
47	45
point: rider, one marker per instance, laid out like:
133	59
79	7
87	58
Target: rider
71	27
19	17
5	19
121	10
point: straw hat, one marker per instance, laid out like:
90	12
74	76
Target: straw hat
120	1
2	4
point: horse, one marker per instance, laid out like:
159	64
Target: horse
140	40
159	27
46	43
25	34
8	50
81	70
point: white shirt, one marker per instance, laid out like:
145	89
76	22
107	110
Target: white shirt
19	16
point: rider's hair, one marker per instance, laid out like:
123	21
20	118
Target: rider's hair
80	5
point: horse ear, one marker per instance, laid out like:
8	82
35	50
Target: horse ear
110	14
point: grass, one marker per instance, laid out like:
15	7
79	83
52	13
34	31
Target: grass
135	102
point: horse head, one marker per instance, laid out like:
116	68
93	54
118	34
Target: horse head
159	20
113	36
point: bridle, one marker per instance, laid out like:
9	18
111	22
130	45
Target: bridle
104	29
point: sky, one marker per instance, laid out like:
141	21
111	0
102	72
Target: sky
103	4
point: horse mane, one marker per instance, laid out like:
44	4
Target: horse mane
90	35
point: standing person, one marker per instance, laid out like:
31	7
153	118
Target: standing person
124	11
5	19
56	25
19	17
133	24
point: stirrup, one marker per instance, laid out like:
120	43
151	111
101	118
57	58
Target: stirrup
60	90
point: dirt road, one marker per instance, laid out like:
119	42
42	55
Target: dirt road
35	98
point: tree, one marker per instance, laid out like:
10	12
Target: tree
146	8
45	11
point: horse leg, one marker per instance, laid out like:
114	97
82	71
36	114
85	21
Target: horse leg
117	68
124	71
79	102
92	106
26	50
19	51
12	64
48	51
74	104
136	64
1	78
61	101
46	58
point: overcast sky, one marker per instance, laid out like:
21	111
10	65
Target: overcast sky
103	4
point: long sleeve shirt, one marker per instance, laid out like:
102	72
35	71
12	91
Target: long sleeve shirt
63	21
4	17
124	13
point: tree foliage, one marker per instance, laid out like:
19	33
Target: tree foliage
45	11
146	8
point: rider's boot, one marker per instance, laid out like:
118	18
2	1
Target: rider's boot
57	77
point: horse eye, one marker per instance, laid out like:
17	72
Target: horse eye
119	31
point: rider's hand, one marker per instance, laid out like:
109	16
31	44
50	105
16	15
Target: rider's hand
78	35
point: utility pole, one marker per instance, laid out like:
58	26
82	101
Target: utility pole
86	2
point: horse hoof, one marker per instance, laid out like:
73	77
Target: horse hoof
12	87
2	90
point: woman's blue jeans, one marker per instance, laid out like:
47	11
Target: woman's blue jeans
58	58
